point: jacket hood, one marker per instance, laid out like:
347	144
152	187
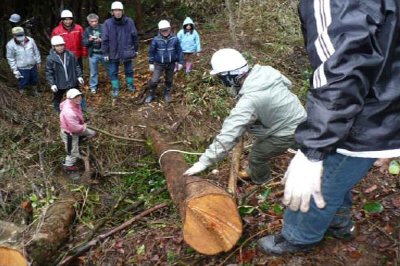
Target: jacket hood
263	78
188	21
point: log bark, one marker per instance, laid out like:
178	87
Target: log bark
53	232
211	222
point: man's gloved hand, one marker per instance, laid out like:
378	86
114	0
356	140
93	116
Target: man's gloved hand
151	67
54	88
106	58
180	66
196	168
303	180
81	81
17	74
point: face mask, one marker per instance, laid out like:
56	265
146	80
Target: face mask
20	38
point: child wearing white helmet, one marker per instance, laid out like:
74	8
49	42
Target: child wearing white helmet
62	71
73	128
165	55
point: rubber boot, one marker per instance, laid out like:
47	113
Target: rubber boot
167	95
129	84
115	88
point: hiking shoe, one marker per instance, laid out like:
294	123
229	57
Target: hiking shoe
168	98
93	91
149	99
71	168
343	233
278	245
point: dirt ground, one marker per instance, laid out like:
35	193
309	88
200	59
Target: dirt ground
190	122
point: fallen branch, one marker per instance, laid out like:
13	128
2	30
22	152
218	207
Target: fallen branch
115	136
85	247
234	172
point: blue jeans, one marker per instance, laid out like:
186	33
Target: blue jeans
341	174
30	77
114	65
94	61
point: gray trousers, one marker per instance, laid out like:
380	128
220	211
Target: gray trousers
263	150
71	143
169	77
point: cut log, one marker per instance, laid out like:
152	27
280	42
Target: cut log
211	221
53	231
10	256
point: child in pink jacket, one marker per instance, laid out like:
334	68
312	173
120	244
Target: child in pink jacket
73	127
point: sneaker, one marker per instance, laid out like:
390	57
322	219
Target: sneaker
131	88
149	99
71	168
343	233
278	245
168	98
93	91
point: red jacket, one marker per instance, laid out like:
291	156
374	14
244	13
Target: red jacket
73	39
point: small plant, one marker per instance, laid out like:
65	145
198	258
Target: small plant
39	203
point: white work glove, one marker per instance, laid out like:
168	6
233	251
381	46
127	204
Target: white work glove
54	88
81	81
180	66
151	67
196	168
17	74
303	180
106	58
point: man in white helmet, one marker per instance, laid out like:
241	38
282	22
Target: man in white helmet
120	45
62	71
72	34
266	108
165	55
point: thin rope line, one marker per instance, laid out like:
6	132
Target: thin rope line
184	152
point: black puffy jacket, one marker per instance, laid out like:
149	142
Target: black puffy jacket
353	105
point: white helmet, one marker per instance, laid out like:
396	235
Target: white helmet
228	59
163	24
15	18
57	40
72	93
117	5
66	14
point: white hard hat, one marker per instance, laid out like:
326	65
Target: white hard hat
56	40
163	24
72	93
117	5
15	18
66	14
228	59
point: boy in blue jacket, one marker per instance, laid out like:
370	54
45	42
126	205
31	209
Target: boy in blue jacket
165	54
190	42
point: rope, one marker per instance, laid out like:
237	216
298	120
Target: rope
184	152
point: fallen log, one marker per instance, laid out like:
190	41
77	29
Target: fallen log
52	231
10	256
211	221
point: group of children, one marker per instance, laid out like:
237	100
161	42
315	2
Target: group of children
111	44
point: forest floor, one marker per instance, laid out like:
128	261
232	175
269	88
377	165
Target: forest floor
126	172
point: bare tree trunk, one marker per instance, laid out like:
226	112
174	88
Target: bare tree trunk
232	27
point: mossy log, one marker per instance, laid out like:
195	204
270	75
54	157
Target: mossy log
211	221
53	232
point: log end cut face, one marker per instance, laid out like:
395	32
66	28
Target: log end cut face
212	224
9	256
